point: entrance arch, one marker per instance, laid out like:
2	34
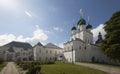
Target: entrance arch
93	59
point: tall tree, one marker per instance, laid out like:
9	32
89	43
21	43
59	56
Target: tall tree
111	43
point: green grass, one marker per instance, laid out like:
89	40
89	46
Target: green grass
2	65
66	68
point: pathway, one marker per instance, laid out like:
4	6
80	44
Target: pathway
9	69
110	70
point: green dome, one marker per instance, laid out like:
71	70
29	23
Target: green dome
81	22
73	28
88	26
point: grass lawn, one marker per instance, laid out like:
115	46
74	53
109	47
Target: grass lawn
2	65
66	68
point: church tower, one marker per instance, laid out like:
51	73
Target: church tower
99	39
81	23
89	26
73	30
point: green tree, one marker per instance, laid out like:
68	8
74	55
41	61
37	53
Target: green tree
111	43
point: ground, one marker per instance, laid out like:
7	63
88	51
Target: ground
67	68
10	69
108	69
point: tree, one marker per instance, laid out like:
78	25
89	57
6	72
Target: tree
111	43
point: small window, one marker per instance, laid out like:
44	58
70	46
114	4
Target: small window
46	58
55	52
50	58
46	51
50	51
85	47
40	51
68	48
79	47
23	53
39	58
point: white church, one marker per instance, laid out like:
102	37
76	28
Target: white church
80	47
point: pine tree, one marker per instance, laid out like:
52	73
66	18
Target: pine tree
111	43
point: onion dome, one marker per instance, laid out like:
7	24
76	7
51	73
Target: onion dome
88	26
73	28
81	22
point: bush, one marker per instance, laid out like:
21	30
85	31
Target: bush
32	67
34	70
25	66
1	60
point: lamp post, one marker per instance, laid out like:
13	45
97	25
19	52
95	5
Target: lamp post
72	53
6	55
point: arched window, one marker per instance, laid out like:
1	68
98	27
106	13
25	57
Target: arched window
79	47
85	48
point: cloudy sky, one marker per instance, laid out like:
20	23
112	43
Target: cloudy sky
50	20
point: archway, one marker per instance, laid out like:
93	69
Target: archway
93	59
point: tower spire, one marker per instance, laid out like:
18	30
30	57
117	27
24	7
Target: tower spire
73	22
81	13
89	26
73	28
88	19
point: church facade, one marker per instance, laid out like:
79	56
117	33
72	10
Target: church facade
80	47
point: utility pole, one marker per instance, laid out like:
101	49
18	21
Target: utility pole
72	56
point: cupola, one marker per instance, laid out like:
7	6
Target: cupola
89	26
81	22
73	28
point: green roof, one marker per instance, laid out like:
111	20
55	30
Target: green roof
81	22
73	28
88	26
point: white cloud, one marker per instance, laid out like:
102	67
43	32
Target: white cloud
28	13
96	31
60	45
58	29
38	35
8	4
6	38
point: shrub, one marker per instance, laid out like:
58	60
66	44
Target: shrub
1	60
25	66
34	70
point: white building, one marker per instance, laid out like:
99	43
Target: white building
47	52
16	51
80	47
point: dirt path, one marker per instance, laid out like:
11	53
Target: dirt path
107	69
10	69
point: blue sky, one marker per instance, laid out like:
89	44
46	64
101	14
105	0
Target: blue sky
51	20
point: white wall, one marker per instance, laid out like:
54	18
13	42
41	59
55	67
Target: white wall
45	53
69	56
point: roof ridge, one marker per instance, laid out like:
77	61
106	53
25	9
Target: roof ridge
52	45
